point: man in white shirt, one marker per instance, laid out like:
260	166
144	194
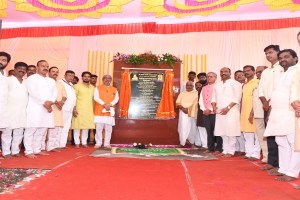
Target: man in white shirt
281	122
42	95
4	61
226	97
265	90
67	107
17	99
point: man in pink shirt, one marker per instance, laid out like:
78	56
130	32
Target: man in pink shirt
209	117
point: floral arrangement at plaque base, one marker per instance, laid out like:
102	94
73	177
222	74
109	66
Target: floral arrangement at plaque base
147	58
141	145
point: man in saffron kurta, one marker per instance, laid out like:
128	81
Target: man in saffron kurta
187	104
53	133
252	146
83	118
106	97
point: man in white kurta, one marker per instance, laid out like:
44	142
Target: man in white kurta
4	60
105	97
67	107
187	104
226	97
281	123
42	95
17	99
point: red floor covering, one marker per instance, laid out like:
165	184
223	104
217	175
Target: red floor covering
79	176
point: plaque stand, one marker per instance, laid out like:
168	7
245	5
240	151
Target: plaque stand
147	131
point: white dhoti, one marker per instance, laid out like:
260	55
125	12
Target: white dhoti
11	140
64	131
33	140
185	128
260	129
252	146
53	138
201	137
289	159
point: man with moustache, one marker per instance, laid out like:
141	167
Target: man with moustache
281	123
83	115
248	129
187	104
53	133
106	97
257	115
226	97
67	108
4	60
265	90
17	99
31	70
42	95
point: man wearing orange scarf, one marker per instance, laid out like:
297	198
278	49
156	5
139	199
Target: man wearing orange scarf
106	97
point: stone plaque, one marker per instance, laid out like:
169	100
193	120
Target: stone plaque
146	88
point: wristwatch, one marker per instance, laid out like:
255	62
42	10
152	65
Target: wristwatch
228	107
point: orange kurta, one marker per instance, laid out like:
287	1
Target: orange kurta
106	94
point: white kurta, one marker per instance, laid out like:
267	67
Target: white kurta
3	100
282	117
16	103
71	96
40	89
225	93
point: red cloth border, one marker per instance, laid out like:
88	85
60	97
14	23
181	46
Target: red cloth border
149	27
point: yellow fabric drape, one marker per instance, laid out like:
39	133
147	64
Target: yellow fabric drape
125	94
165	108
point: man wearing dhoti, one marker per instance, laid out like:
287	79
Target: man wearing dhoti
226	97
281	123
187	104
42	95
53	133
265	90
17	99
67	108
248	129
83	115
106	97
257	115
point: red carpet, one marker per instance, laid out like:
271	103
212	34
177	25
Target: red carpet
85	177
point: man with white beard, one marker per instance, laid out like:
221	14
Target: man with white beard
17	99
42	95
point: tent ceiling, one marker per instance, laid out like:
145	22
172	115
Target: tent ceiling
35	13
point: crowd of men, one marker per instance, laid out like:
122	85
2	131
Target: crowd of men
39	109
255	115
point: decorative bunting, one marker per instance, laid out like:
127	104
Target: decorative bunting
70	9
180	8
292	5
3	6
